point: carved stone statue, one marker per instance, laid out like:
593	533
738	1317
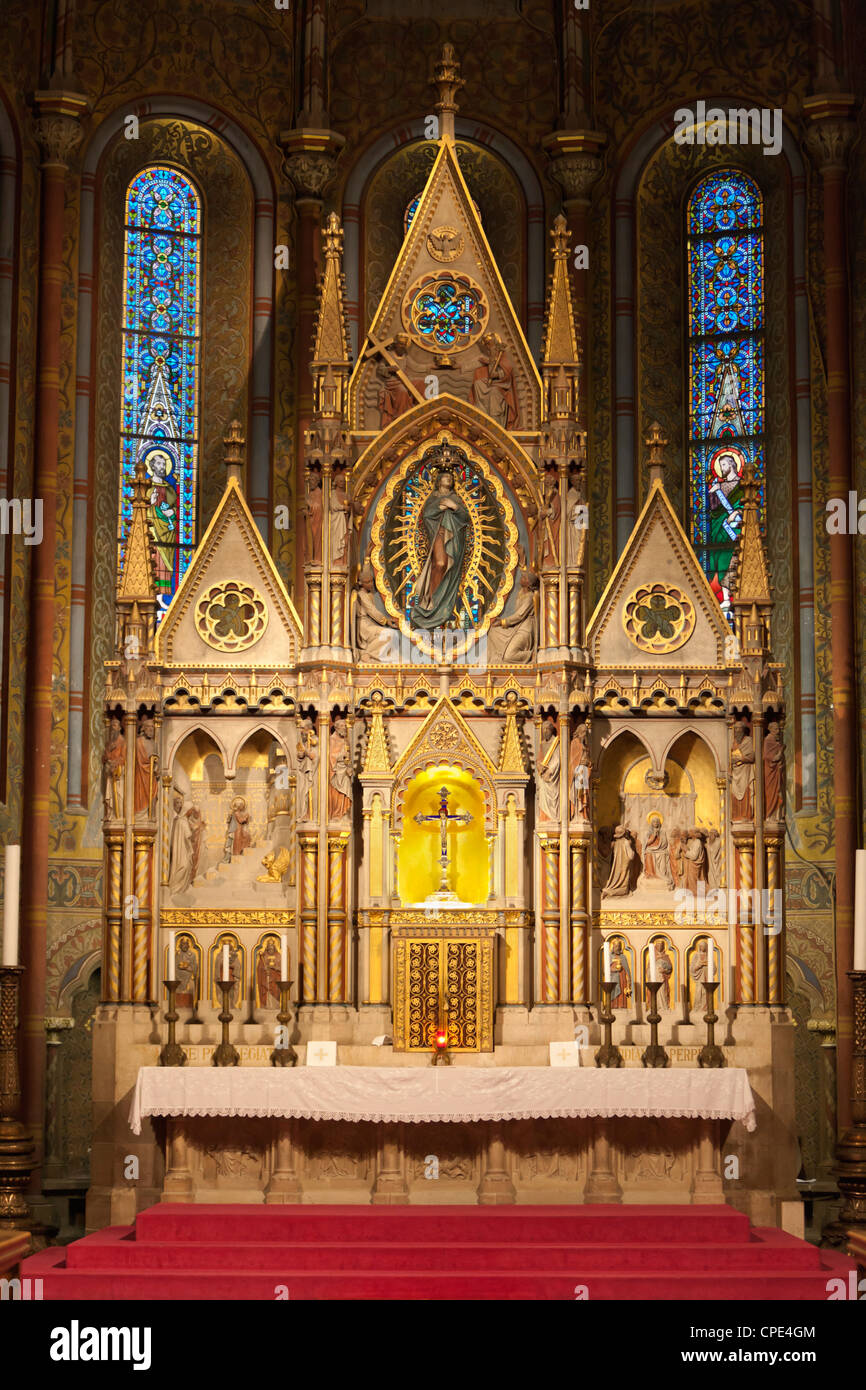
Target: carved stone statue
579	773
695	861
113	770
547	531
550	761
187	830
576	528
373	628
774	773
338	522
339	772
493	384
698	968
620	882
657	853
394	396
186	967
742	773
512	638
714	858
237	829
146	768
268	973
307	756
313	518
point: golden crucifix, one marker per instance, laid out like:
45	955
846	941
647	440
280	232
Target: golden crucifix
443	815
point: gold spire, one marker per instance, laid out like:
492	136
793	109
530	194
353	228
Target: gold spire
656	443
234	453
446	77
752	576
331	362
136	571
511	757
561	345
376	756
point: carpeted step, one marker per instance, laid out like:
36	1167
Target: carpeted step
434	1284
580	1225
116	1249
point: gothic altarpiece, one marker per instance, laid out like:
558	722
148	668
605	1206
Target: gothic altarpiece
444	781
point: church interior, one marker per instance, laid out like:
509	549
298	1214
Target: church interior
432	690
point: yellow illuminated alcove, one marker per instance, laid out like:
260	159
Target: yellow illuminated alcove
418	848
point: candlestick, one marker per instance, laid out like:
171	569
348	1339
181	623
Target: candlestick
860	910
653	964
284	957
225	1055
225	971
607	975
172	954
710	1054
172	1054
11	889
284	1056
711	960
654	1054
608	1055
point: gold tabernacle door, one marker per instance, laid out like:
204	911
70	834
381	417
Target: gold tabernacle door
443	973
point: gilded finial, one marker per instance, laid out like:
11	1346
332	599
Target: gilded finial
332	237
560	236
234	452
656	443
447	78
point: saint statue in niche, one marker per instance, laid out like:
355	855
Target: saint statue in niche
773	754
313	511
146	767
186	966
548	770
339	521
445	518
742	772
307	759
664	969
339	772
268	973
579	773
698	969
113	769
620	975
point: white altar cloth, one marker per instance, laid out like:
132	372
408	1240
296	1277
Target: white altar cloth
419	1094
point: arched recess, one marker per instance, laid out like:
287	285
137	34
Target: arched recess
418	868
655	177
475	135
237	367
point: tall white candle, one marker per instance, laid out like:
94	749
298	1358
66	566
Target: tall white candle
11	888
172	956
860	910
711	961
225	961
284	957
653	964
608	978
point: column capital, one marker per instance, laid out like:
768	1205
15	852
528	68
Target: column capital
310	160
58	125
832	130
575	161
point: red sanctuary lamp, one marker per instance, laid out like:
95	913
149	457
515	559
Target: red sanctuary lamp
440	1044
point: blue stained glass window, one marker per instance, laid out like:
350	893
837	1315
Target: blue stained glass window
725	259
161	355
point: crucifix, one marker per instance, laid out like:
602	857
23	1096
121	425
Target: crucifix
443	815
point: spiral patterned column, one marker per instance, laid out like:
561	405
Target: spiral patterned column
551	610
573	614
579	920
746	929
309	912
550	920
313	581
113	917
775	990
338	593
337	918
141	922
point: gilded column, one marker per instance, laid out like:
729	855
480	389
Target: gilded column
309	902
775	944
745	925
111	961
337	846
829	140
59	133
141	920
579	919
550	917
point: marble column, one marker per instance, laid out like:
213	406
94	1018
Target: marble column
829	140
58	131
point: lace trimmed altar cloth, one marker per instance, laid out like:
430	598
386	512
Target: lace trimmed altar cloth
424	1094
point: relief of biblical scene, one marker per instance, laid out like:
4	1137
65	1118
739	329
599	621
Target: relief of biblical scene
226	960
658	832
661	963
616	963
701	969
230	841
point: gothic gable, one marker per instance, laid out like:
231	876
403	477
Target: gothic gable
231	609
658	609
445	314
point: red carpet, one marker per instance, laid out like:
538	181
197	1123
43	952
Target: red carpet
510	1252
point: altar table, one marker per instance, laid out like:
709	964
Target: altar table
415	1095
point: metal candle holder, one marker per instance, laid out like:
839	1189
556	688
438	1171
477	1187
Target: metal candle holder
284	1056
654	1054
225	1055
172	1054
850	1170
608	1055
710	1054
17	1150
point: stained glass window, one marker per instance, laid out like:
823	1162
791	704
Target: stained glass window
725	249
411	209
161	340
446	312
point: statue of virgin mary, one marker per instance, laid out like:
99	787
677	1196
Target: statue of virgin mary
446	520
